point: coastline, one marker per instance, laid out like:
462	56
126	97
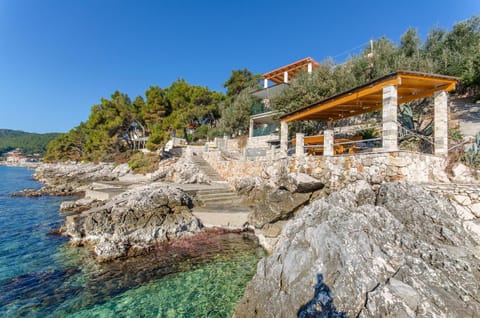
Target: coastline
302	216
28	165
139	275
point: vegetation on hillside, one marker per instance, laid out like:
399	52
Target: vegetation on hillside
455	53
29	143
162	113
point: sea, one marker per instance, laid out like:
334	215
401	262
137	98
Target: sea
41	275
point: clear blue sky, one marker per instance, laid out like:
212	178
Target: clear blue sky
59	57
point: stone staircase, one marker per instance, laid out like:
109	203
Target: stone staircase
218	205
198	160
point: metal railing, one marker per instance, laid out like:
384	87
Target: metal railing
264	131
405	132
259	108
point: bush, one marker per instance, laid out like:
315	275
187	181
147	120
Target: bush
144	163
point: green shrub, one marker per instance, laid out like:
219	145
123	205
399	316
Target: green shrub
144	163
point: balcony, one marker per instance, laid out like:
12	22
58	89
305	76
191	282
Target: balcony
258	108
265	130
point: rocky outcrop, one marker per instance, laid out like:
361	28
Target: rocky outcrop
186	171
397	252
80	205
133	221
276	196
70	178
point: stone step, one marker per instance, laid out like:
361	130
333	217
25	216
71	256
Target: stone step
103	194
206	168
227	202
213	218
214	195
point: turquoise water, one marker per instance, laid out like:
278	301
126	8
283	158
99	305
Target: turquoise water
42	276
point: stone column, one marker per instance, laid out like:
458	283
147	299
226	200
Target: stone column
250	129
283	138
440	123
225	142
265	83
328	142
285	77
299	145
309	68
389	114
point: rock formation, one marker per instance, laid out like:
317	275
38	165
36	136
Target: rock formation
133	221
71	178
397	252
278	196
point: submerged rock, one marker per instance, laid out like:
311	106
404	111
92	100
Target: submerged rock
133	221
402	252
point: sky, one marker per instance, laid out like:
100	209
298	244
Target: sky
58	58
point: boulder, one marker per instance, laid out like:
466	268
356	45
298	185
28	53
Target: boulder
272	204
463	174
401	252
134	221
303	183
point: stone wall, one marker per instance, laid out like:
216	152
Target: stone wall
337	171
375	168
260	141
233	169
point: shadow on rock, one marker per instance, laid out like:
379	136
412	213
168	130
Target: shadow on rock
321	305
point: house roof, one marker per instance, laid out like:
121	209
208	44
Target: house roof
369	97
276	75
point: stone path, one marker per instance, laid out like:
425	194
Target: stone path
467	112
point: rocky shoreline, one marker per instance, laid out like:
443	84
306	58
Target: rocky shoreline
146	215
400	251
391	249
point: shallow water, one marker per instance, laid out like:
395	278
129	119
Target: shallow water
42	276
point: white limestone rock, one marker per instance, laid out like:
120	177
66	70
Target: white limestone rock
134	220
401	252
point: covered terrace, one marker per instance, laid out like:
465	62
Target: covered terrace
385	93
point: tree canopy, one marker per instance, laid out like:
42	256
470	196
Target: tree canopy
162	112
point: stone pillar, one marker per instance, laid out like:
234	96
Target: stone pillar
265	83
285	77
250	129
299	145
440	123
309	68
328	142
225	142
389	114
283	138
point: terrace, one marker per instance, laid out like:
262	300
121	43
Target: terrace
385	94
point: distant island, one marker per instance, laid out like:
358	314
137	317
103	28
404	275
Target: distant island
28	143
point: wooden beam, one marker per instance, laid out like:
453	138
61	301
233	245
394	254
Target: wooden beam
424	94
427	78
341	100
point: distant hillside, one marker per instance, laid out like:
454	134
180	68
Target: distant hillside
30	143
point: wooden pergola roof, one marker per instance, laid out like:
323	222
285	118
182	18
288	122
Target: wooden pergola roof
368	97
276	75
